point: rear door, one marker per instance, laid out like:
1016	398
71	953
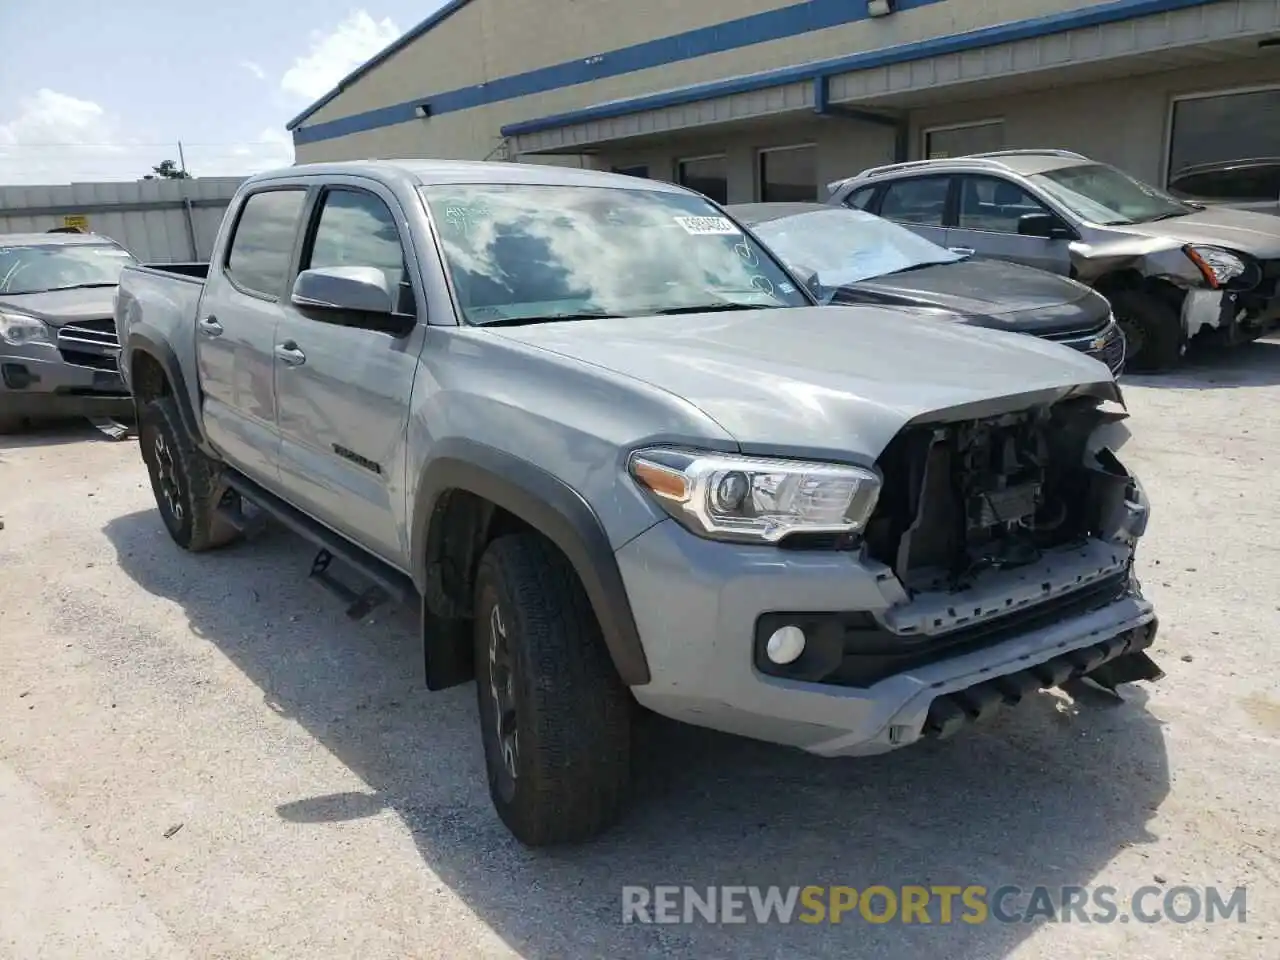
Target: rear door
918	203
343	391
986	221
236	326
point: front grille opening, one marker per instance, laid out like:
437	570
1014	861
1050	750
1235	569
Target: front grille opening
995	493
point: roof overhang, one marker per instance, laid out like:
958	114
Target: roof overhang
1117	38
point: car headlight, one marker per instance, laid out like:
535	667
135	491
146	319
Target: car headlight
18	329
756	499
1219	266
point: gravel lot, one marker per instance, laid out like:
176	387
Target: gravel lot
201	757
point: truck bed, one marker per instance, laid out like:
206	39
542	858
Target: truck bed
191	270
163	299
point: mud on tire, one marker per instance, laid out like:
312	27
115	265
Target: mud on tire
184	480
555	718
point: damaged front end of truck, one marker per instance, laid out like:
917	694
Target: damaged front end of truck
990	528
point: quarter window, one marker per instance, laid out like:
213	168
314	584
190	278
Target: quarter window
356	229
258	260
920	200
860	199
994	205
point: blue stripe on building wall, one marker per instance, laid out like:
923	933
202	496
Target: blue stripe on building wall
779	24
1091	16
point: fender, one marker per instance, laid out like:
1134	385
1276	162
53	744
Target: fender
555	510
159	350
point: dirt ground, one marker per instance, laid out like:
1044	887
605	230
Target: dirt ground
201	757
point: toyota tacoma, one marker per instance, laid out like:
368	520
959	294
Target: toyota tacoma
620	457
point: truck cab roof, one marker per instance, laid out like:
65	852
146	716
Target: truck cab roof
427	172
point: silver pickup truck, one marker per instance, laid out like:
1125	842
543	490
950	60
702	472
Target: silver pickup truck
620	457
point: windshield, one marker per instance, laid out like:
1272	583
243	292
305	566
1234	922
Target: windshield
1102	194
845	246
39	268
520	252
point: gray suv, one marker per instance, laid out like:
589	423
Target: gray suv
58	345
1172	269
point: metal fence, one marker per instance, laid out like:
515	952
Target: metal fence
162	221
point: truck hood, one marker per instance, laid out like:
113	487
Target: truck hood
836	382
1257	234
60	307
990	293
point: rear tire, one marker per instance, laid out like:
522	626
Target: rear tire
184	481
555	717
1153	330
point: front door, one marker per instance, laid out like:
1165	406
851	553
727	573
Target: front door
236	329
987	217
343	391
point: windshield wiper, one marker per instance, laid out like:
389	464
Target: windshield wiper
84	286
713	308
547	318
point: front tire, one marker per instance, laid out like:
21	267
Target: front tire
184	481
555	717
1153	329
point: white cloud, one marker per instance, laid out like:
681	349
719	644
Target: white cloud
336	53
254	68
57	138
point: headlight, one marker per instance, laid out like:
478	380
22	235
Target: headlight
728	497
1219	266
18	329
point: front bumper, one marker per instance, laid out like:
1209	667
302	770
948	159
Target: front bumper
36	382
699	606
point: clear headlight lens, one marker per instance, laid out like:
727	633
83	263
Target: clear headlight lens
18	329
1218	266
754	499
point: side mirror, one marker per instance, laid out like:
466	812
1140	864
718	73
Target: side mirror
1043	225
810	279
352	296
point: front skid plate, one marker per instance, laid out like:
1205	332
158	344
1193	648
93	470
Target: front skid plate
953	711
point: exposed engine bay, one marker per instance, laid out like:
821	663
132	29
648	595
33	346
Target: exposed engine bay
967	497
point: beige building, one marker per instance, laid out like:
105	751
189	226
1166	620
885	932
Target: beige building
772	99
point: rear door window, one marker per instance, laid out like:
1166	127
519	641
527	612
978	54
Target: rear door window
920	200
262	246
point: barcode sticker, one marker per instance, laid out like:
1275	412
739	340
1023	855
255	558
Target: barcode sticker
708	226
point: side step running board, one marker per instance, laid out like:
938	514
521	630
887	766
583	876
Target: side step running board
387	582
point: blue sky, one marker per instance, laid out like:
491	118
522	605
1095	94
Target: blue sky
103	91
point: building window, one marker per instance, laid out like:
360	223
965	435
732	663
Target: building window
789	174
962	139
1215	128
638	170
707	175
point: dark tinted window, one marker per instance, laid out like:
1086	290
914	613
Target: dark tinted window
708	175
356	229
919	200
789	175
1230	126
639	170
1256	182
989	203
259	256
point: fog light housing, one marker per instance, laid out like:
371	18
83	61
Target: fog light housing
785	645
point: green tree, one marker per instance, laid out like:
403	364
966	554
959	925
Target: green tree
167	170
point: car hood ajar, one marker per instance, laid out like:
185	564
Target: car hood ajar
835	382
60	307
1257	234
990	293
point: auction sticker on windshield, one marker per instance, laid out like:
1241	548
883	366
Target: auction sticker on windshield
708	226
